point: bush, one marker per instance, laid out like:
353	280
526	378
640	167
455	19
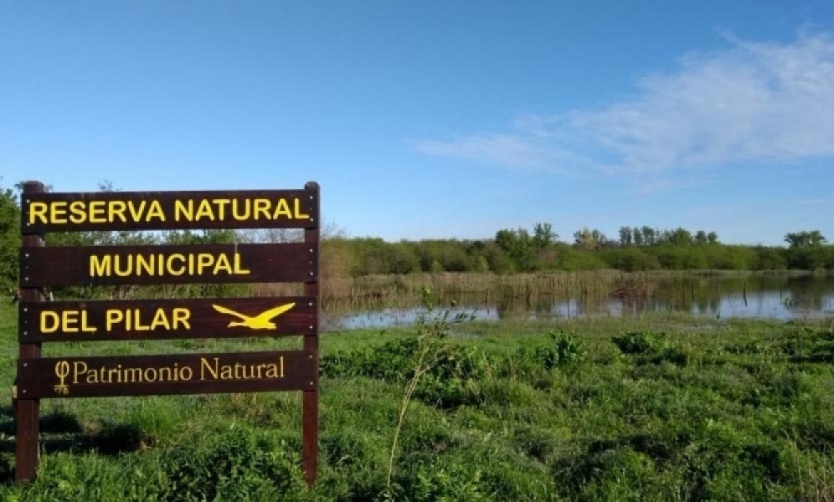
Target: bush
641	342
238	465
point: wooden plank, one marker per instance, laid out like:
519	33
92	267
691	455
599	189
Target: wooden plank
310	399
26	409
169	264
166	374
70	321
73	212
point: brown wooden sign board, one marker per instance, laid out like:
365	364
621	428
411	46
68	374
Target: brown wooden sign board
165	374
169	264
63	212
72	321
94	376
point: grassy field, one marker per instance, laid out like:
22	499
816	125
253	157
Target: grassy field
659	407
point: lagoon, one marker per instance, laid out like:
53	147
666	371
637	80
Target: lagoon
753	296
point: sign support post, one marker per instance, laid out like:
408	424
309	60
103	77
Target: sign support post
27	410
310	406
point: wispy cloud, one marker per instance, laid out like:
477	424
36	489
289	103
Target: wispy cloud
752	102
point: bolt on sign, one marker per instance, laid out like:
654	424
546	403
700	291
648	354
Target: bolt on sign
149	319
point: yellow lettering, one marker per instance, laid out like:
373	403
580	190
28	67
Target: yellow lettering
262	208
113	317
137	321
132	375
282	209
85	327
98	212
38	212
59	212
298	214
206	366
78	368
181	316
170	265
181	211
100	266
204	261
222	265
272	370
146	263
50	321
70	320
67	321
160	320
155	211
239	270
101	211
151	374
136	212
204	211
77	213
221	208
123	265
236	214
117	209
160	264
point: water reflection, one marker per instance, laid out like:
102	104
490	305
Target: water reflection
765	297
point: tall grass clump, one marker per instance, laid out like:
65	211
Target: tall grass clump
431	330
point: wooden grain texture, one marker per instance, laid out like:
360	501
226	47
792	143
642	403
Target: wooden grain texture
26	408
103	376
70	321
82	211
310	399
168	264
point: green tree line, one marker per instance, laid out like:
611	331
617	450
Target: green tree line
637	248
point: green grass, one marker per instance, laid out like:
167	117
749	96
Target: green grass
656	407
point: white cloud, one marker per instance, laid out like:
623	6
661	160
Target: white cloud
751	103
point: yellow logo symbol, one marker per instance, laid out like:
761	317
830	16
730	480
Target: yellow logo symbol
261	321
62	370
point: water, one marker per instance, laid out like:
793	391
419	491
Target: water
757	297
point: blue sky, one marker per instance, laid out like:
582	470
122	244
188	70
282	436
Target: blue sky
436	119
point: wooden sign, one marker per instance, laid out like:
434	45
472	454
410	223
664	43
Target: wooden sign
166	374
181	264
72	321
64	212
148	319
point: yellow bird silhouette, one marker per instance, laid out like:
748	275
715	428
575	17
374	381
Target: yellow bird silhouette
260	321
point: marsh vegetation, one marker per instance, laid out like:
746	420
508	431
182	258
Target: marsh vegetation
659	406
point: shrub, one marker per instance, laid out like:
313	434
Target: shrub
641	342
237	465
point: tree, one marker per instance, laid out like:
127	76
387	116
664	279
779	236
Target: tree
9	239
543	235
712	238
589	240
519	247
680	237
805	239
649	236
626	236
700	237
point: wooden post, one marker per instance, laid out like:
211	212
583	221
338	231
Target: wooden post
310	406
27	410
